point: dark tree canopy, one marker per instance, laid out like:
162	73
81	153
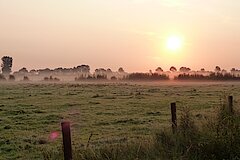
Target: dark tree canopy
83	68
120	70
159	69
173	69
184	69
100	73
23	70
109	70
217	69
7	64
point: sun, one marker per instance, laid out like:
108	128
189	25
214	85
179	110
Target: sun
174	43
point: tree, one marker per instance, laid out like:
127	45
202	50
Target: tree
173	69
7	64
44	71
25	78
120	70
11	78
217	69
83	68
100	72
159	70
2	78
109	70
202	70
233	69
58	70
23	70
150	72
184	69
113	78
33	71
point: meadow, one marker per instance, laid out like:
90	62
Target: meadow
109	113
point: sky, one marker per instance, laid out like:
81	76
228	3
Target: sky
120	33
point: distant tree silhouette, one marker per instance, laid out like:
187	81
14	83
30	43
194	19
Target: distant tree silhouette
184	69
33	72
202	70
113	78
101	77
23	70
109	70
173	69
146	77
235	72
150	72
51	79
67	70
25	78
11	78
44	71
213	77
2	78
217	69
224	71
100	73
7	64
58	70
186	76
159	70
120	70
83	68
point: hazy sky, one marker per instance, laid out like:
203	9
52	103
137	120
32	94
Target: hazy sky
120	33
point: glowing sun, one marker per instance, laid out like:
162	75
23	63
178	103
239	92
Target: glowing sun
174	43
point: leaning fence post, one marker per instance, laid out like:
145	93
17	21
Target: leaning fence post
230	104
174	117
67	146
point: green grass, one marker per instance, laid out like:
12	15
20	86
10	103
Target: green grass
113	113
217	139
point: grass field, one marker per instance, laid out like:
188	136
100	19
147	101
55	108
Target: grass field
112	112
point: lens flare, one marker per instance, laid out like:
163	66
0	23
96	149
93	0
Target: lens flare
54	135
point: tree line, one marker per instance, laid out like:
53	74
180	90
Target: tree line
82	72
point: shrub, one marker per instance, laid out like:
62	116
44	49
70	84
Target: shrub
212	77
11	77
2	78
56	79
146	76
113	78
46	79
218	139
25	78
51	79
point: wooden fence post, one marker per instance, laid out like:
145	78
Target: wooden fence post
174	117
67	146
230	104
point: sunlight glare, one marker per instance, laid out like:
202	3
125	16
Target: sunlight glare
174	43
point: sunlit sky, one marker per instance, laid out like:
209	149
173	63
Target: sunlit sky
120	33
